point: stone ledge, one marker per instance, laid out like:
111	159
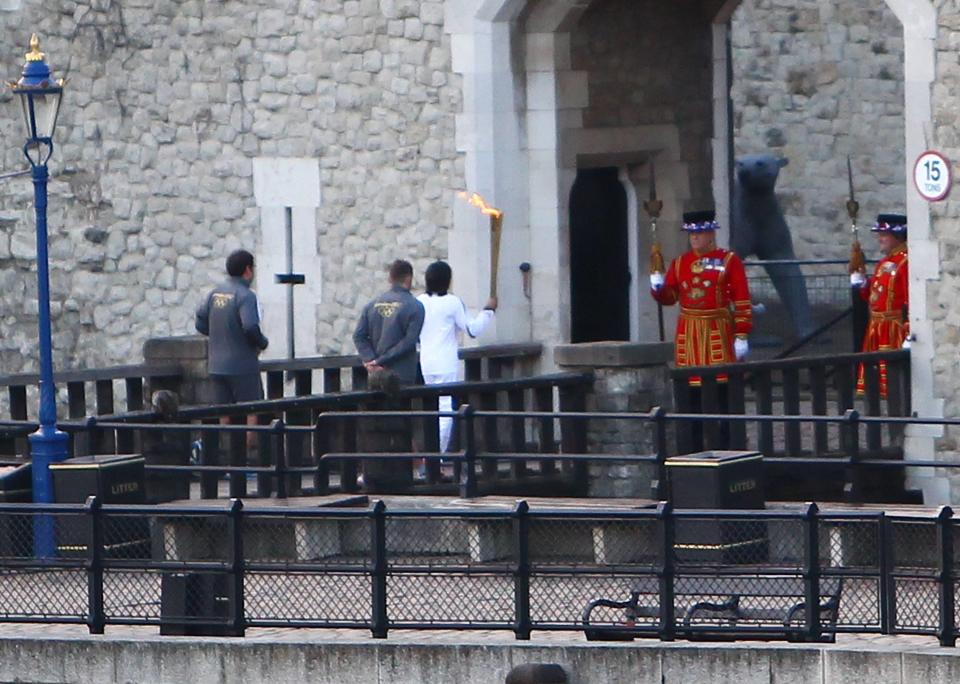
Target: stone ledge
332	657
179	348
613	354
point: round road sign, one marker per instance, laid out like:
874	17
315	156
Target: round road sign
932	176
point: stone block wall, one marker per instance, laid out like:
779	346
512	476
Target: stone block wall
167	104
639	77
627	378
815	81
622	390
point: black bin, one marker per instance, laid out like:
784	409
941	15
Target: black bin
16	531
166	448
190	599
114	480
719	480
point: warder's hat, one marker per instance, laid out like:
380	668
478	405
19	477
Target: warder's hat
891	223
700	221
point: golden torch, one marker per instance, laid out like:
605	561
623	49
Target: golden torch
496	228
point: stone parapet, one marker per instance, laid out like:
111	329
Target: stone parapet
628	378
190	352
337	657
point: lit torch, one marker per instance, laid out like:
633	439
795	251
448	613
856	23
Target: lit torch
496	228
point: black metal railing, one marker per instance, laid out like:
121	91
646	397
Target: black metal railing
311	375
798	573
101	391
476	467
293	434
121	389
822	314
810	386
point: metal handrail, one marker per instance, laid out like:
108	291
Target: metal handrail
660	582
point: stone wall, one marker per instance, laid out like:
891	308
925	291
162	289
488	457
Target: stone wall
639	77
815	81
626	390
167	105
627	378
464	658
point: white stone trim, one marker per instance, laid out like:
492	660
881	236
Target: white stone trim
919	19
721	143
633	250
278	183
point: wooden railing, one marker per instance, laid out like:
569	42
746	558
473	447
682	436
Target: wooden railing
100	391
808	386
329	374
120	389
344	434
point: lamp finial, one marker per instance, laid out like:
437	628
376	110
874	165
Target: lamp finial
34	55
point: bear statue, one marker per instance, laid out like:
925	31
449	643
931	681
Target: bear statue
760	229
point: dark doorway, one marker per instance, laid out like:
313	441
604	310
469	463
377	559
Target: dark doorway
599	262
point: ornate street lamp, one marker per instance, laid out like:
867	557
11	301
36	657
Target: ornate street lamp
40	98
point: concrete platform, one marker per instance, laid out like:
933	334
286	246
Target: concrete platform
299	539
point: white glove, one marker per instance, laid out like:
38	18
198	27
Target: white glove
740	348
906	342
857	279
656	281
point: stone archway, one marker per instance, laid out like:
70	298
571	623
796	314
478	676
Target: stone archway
520	93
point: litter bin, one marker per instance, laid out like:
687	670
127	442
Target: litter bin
16	535
718	480
115	480
196	604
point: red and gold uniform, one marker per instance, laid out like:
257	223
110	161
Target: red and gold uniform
714	299
886	295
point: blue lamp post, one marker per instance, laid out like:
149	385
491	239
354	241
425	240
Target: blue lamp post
40	98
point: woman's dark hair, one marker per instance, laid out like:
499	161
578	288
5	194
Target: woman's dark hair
438	278
238	261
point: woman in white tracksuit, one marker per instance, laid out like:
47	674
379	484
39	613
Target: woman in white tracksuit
445	317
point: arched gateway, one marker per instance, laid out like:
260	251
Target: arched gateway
528	124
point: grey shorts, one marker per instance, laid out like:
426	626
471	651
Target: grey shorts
230	389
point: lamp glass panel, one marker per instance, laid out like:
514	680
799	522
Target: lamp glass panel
47	107
27	119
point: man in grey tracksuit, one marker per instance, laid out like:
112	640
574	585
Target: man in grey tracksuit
386	339
231	318
389	327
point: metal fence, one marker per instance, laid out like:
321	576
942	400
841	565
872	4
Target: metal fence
800	574
497	463
832	322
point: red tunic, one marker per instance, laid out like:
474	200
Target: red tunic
714	307
886	294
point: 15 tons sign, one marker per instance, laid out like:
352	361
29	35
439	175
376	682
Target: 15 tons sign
932	176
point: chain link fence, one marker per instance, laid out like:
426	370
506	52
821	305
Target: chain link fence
799	574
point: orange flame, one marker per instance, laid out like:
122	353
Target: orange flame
478	201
